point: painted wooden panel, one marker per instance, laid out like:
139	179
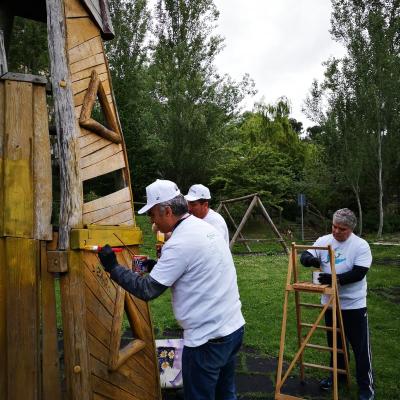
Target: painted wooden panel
3	320
17	160
22	282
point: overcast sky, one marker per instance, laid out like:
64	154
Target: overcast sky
280	43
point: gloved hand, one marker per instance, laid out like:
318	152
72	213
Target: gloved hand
325	279
149	264
314	262
108	258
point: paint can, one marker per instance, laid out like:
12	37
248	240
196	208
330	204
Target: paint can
138	263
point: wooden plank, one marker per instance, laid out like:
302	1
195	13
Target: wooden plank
113	163
42	175
75	9
22	311
116	326
89	48
88	138
104	388
98	235
100	155
66	123
99	215
83	84
3	320
18	174
120	218
51	379
100	13
79	31
121	196
57	261
15	76
100	69
3	57
73	299
95	146
89	62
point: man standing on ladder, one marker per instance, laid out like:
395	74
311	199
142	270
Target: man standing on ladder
352	261
198	199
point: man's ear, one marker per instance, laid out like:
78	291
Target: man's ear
168	211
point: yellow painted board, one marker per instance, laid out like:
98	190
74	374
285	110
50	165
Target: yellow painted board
98	235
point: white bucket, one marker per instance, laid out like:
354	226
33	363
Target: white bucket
315	276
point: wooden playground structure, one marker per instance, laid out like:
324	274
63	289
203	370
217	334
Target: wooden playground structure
306	330
238	236
34	258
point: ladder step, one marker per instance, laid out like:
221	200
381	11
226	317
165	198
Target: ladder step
326	328
325	368
309	305
322	348
281	396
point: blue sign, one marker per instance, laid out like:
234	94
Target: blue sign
301	200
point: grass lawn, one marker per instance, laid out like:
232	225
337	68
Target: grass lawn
261	282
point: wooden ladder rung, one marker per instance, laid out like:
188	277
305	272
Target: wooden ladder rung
324	367
326	328
281	396
309	305
322	348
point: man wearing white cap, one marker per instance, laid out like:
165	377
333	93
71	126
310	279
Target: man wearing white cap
198	267
198	201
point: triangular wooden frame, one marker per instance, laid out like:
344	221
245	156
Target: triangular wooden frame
117	356
96	90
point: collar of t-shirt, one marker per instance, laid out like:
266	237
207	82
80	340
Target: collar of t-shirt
181	220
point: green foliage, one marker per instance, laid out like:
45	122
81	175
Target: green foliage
28	52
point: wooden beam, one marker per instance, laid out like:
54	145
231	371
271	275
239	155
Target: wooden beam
67	129
239	198
234	225
3	58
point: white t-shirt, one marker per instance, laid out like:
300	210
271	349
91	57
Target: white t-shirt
198	266
218	222
353	251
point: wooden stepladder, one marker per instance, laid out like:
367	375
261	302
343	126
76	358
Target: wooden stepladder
306	330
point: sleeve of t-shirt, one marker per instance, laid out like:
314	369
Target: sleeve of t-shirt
363	256
171	265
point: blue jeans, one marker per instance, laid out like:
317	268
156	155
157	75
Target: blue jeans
209	370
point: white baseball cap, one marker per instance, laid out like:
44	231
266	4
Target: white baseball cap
197	192
158	192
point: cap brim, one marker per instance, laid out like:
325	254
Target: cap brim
188	197
145	208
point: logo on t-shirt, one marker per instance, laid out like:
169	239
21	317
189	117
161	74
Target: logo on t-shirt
338	260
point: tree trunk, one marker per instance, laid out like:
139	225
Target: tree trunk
356	191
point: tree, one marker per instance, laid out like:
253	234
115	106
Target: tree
193	104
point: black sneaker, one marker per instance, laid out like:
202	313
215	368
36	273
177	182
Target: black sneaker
326	383
366	396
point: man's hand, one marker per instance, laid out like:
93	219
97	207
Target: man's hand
325	279
308	260
149	264
108	258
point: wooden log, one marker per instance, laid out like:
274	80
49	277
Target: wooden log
41	167
3	57
23	360
77	370
234	224
239	198
67	129
243	222
2	138
51	379
272	225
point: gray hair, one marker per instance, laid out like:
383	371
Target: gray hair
346	217
178	205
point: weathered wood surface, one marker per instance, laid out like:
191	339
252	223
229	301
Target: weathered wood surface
67	129
3	58
135	370
22	315
51	379
42	179
77	368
